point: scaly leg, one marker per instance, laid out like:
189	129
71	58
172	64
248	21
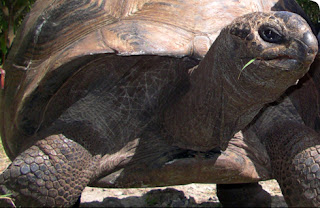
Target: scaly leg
294	150
53	172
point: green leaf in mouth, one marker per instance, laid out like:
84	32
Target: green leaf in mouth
247	64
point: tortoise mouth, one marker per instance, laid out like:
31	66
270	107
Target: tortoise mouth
284	62
294	59
277	58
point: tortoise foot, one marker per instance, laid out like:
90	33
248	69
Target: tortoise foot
243	195
51	173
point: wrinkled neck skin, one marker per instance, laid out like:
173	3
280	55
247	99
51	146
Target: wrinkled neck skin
218	104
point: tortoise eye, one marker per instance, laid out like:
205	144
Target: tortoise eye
270	35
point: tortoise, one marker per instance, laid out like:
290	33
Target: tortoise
155	93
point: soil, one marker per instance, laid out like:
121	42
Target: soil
192	195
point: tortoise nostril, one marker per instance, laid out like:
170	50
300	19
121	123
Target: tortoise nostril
311	51
310	40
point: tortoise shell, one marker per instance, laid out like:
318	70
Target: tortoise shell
95	77
59	37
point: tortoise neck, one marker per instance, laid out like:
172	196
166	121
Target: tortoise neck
215	107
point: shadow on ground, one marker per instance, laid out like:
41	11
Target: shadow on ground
168	197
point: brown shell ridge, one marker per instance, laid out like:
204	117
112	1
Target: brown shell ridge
28	56
43	49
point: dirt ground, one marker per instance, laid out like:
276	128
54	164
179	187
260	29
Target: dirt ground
192	195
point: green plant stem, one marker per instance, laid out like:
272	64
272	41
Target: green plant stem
246	65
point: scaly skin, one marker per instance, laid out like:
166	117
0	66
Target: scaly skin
51	173
294	151
222	101
111	108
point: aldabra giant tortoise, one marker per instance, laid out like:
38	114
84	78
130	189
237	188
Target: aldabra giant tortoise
124	94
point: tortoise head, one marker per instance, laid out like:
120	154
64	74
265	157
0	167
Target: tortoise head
279	45
256	59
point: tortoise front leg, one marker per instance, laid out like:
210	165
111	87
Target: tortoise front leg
53	172
294	150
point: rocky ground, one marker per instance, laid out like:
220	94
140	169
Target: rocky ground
192	195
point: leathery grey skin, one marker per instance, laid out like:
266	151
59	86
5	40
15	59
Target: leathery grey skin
147	131
241	93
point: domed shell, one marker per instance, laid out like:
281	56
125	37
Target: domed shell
58	37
